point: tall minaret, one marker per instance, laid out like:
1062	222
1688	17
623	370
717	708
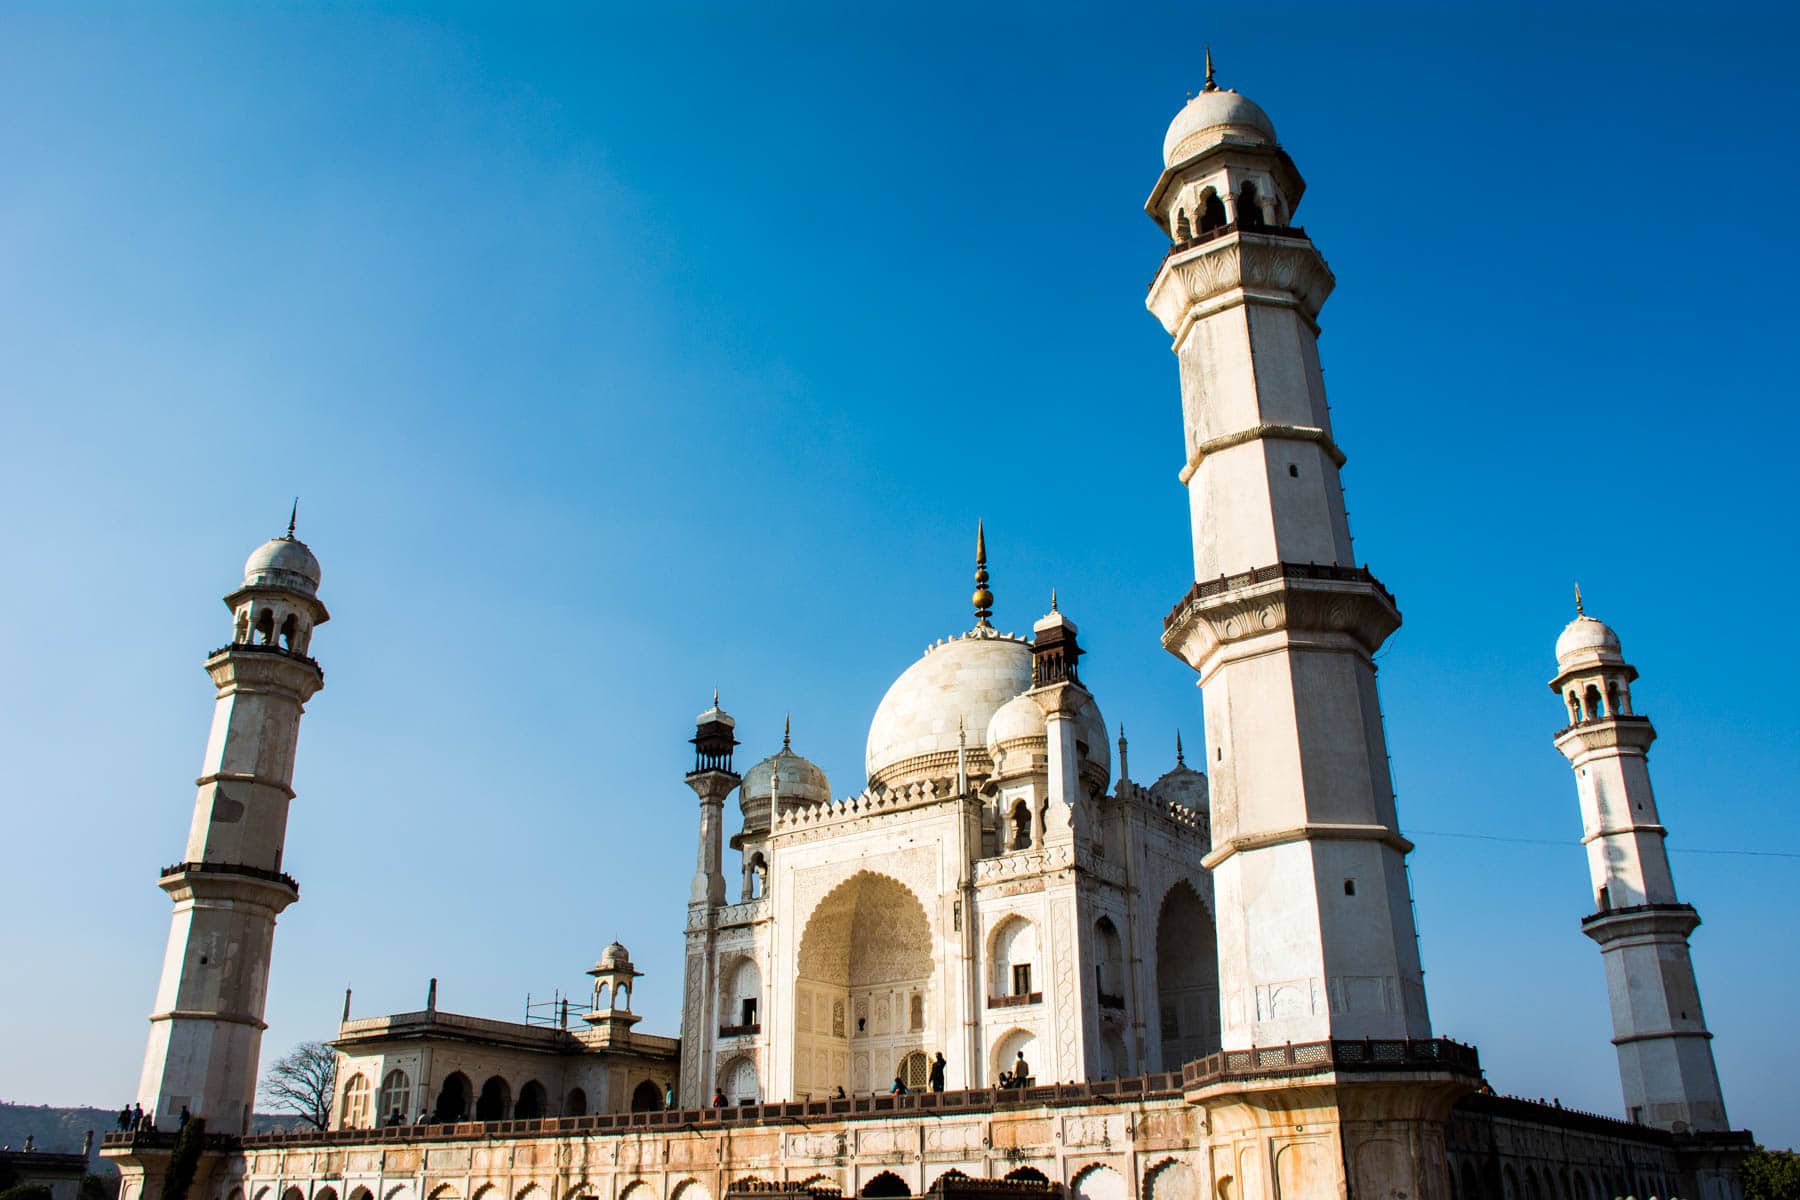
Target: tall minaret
206	1031
1315	926
712	780
1665	1052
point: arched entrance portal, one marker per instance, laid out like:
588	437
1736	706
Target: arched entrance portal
863	987
1187	978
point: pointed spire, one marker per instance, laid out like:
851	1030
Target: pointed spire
1578	609
293	515
1179	760
1124	763
787	730
1210	85
962	757
1053	599
983	599
715	697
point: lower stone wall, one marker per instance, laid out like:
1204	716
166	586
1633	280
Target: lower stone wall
1504	1148
1154	1149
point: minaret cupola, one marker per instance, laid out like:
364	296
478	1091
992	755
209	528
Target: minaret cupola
1223	168
278	603
715	736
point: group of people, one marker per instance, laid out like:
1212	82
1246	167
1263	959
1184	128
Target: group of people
133	1116
934	1079
1018	1077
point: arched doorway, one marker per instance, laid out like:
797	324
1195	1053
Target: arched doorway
495	1101
1187	978
531	1102
885	1184
453	1099
865	952
646	1097
576	1106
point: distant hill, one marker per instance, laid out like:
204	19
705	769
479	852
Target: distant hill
60	1130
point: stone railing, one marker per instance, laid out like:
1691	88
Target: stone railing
1632	910
731	1031
1297	232
744	911
260	648
1292	1058
136	1140
1015	1000
1322	571
1589	722
972	1100
213	868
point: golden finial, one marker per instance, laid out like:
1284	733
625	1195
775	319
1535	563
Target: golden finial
1210	85
982	599
1578	609
787	730
1179	760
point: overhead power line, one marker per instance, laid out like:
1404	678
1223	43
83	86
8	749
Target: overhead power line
1494	837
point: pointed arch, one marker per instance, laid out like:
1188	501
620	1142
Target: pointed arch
1187	977
1171	1179
646	1097
885	1185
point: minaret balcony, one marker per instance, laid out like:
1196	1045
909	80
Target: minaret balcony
1284	597
1649	922
250	883
1619	731
1275	264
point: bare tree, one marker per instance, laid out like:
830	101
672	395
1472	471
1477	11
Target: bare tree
302	1082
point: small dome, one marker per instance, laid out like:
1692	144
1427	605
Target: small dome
802	782
1585	637
1210	118
957	687
615	957
1091	731
283	562
1184	786
1017	719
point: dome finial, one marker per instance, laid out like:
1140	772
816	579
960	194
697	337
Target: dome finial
787	730
1210	85
983	599
1052	599
715	697
293	515
1579	611
1179	760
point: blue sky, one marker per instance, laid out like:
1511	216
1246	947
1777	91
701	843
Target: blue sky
620	355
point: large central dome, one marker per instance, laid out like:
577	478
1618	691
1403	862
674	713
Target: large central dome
964	680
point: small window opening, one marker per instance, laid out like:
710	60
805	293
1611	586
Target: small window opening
1021	822
1592	705
1293	471
748	1011
203	960
1212	212
265	628
1021	979
290	629
1249	212
1604	899
1349	887
918	1012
